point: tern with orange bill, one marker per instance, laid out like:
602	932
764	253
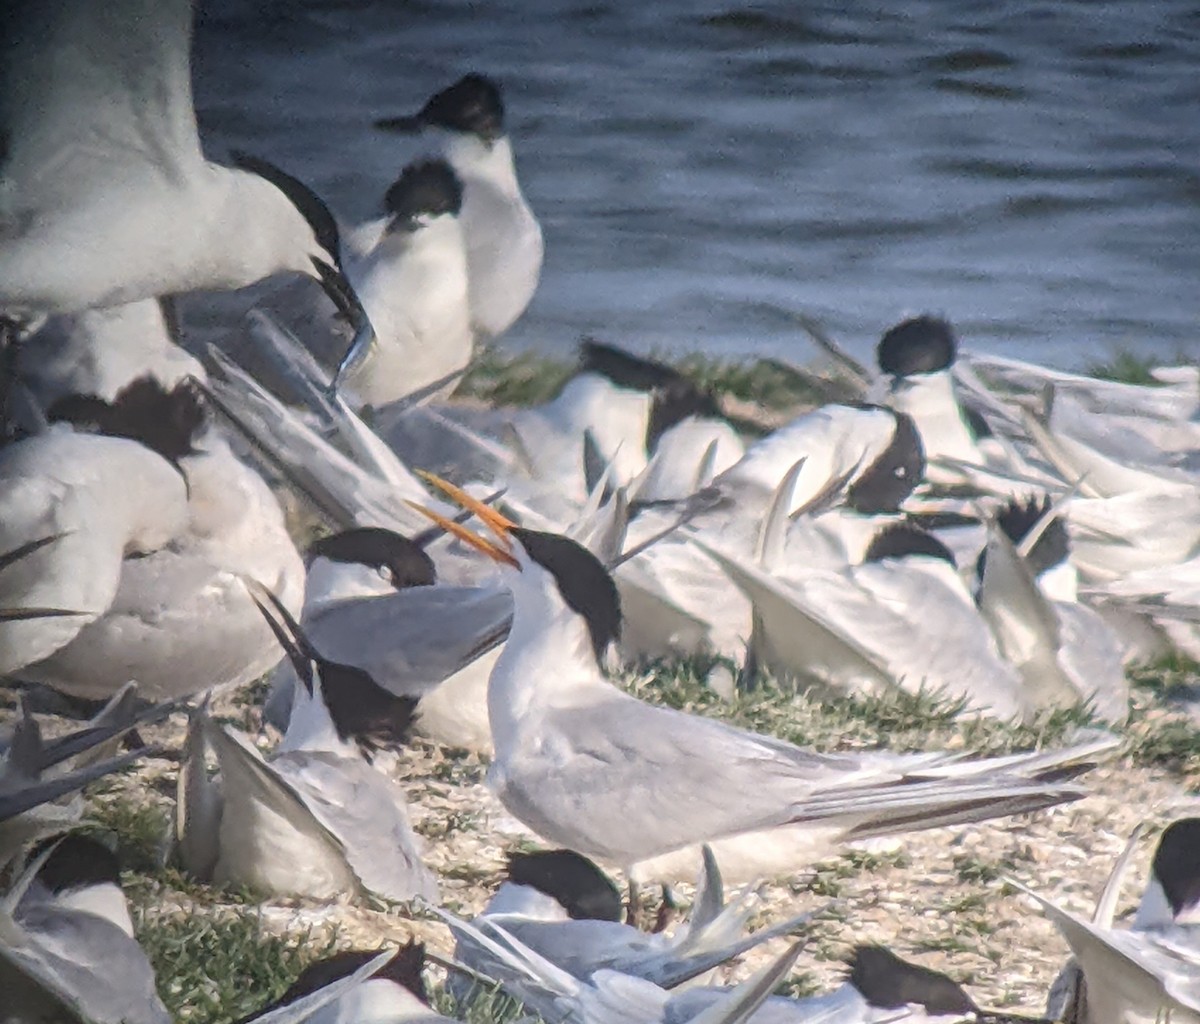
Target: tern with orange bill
598	771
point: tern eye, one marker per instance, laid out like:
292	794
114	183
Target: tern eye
385	574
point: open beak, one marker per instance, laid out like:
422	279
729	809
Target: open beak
339	290
499	524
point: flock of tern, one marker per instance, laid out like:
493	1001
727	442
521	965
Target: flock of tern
1000	535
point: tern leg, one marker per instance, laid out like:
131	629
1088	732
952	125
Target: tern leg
633	909
11	335
666	911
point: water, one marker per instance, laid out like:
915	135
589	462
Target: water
702	171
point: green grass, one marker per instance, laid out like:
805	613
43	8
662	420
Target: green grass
221	966
527	378
1128	368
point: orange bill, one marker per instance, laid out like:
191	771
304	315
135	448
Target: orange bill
497	522
493	551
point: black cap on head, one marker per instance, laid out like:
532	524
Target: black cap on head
472	104
407	563
922	344
404	969
899	540
585	892
674	397
895	473
362	710
1054	545
889	983
426	187
167	422
1177	864
584	583
77	862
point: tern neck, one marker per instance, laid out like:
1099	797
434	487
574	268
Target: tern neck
548	662
930	400
471	157
380	1001
311	726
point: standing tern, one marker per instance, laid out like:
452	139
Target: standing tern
600	772
105	195
465	124
317	819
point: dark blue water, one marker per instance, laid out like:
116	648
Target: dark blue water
704	170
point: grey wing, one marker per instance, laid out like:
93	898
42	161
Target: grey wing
367	813
91	965
414	639
92	91
1091	658
177	624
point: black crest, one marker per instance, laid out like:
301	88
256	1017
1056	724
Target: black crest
923	344
406	561
1052	547
311	206
583	582
674	397
900	540
1177	864
362	710
472	104
892	477
887	982
77	862
167	422
426	187
404	969
583	890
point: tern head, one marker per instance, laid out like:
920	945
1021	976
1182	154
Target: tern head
549	569
674	397
1173	895
167	421
891	478
471	106
1053	547
584	891
424	191
401	562
903	540
889	983
917	346
314	248
82	873
347	697
367	1003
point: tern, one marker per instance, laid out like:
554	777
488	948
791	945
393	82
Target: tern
660	783
101	157
102	351
563	907
147	532
317	819
465	124
67	948
372	601
409	268
393	993
1151	971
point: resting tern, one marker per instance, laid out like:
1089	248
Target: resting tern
902	619
317	819
1151	971
394	992
69	942
659	783
563	907
101	351
100	142
175	617
372	602
465	124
